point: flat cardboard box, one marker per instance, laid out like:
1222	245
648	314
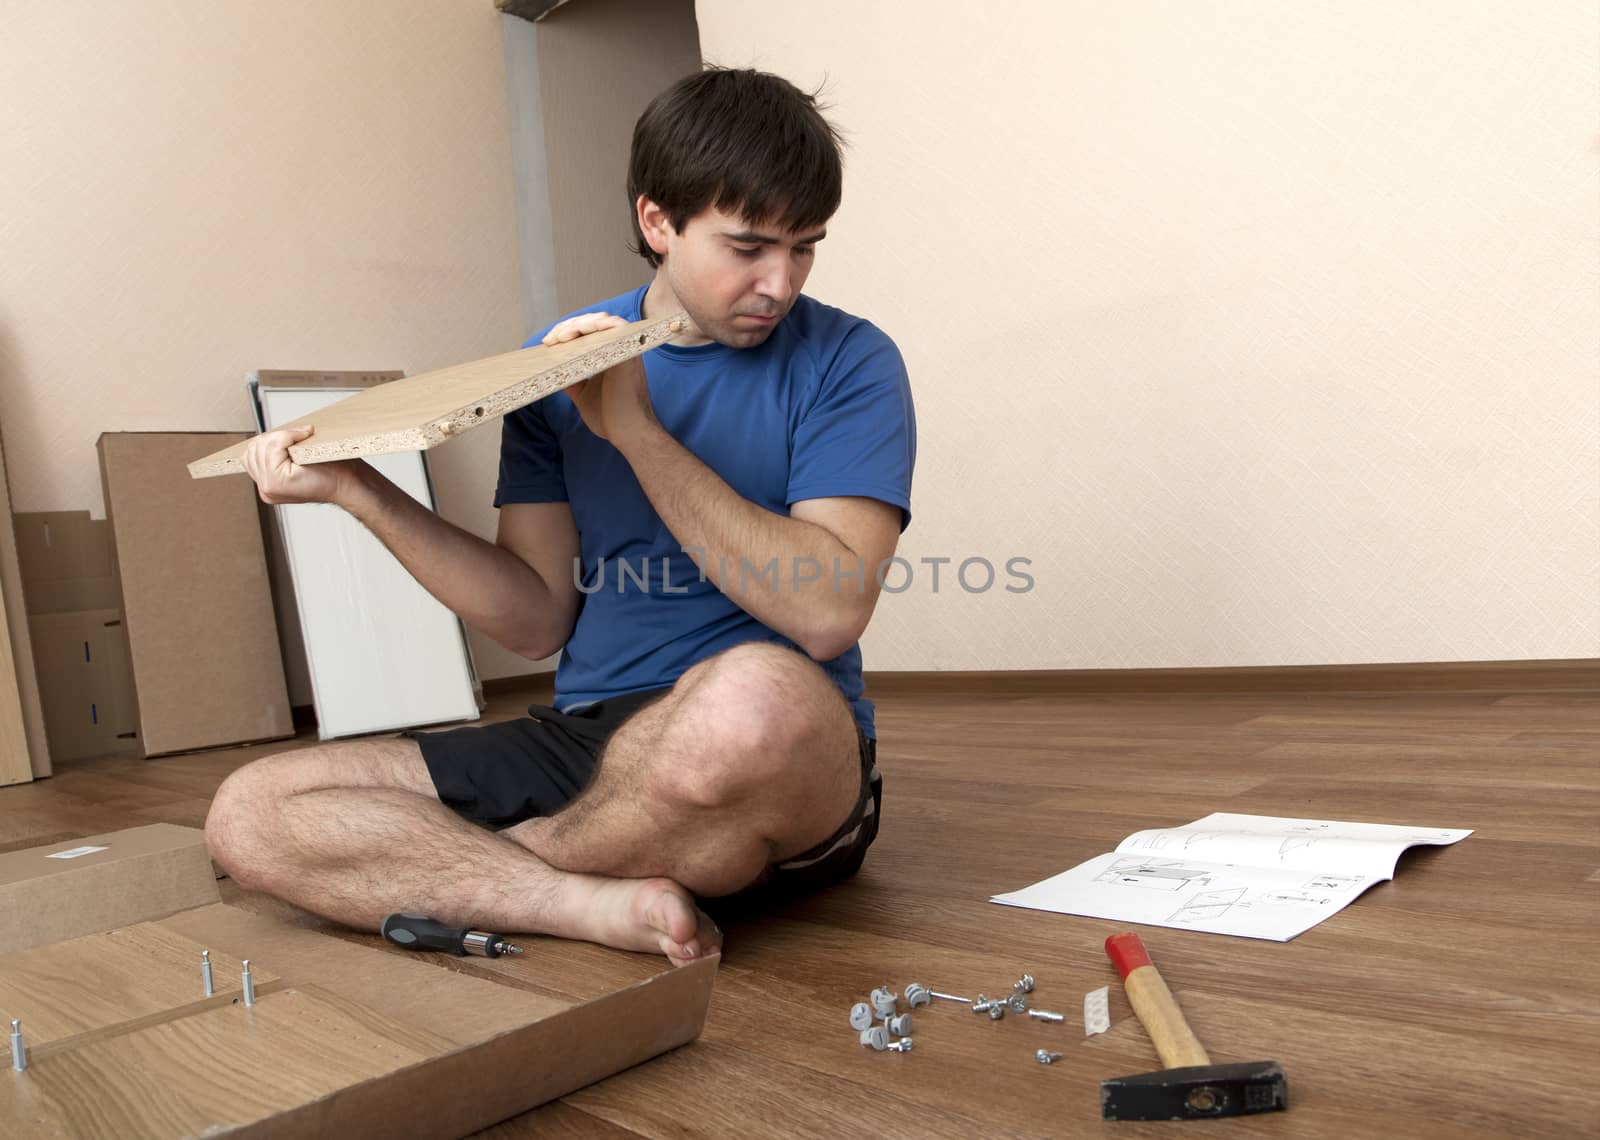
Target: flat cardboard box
192	570
80	647
347	1036
80	886
66	561
85	683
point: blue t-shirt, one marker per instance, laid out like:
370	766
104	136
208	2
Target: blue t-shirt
822	408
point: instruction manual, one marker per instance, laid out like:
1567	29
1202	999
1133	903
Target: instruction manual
1254	876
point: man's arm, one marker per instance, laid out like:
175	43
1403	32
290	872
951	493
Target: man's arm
517	590
824	557
812	576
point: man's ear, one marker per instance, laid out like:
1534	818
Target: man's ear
654	225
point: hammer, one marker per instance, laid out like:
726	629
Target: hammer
1191	1086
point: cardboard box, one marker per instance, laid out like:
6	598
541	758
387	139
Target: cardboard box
196	604
80	648
347	1036
85	683
80	886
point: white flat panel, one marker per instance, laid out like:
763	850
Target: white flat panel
383	653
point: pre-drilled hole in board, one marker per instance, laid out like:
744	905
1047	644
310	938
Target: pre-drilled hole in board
477	411
641	338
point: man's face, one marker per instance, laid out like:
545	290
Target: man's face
735	277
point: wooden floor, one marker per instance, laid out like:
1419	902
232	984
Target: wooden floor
1460	1000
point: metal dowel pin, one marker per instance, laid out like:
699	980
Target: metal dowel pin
249	984
19	1050
205	973
950	997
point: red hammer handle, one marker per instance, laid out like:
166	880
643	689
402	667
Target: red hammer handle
1175	1042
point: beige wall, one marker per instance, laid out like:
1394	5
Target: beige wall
600	64
1267	331
193	190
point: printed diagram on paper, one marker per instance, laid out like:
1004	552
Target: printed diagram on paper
1248	875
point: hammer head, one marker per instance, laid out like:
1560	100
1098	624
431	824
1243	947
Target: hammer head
1196	1091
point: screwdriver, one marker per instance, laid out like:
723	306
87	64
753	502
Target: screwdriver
419	932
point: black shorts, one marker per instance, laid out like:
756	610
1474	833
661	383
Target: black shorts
499	775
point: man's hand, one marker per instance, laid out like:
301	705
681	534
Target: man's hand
615	404
279	479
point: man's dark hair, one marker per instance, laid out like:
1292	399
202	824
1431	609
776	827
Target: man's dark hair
744	142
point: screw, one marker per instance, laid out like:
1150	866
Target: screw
1046	1015
205	973
899	1025
1045	1057
901	1046
248	984
995	1009
875	1038
1024	984
861	1016
1018	1003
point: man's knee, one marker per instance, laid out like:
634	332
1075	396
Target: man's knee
238	812
760	719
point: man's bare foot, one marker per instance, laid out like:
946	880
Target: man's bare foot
642	914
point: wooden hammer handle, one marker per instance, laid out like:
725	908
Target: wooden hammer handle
1175	1042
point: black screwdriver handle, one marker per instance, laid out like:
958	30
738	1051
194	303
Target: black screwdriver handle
419	932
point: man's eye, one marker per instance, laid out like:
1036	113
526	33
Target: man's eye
743	252
805	250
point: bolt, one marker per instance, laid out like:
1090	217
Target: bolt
1046	1015
861	1016
899	1025
248	984
1045	1057
1024	984
206	982
901	1046
19	1049
949	997
1018	1003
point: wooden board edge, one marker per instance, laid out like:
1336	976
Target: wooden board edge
479	1085
17	648
435	430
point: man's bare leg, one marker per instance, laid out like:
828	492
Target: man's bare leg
752	758
354	832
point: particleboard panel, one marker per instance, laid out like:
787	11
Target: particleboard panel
205	1074
196	603
420	412
24	753
84	984
355	1039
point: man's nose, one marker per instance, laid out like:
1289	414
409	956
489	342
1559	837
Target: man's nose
775	281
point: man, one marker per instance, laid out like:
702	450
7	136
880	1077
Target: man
699	532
